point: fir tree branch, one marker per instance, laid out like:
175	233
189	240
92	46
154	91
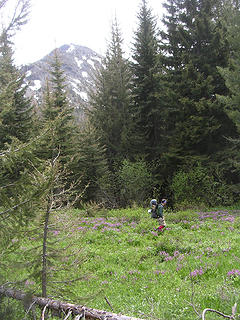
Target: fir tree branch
68	281
15	207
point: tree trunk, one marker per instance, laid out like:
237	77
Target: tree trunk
44	253
90	314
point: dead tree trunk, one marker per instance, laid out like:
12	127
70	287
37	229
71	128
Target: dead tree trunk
90	314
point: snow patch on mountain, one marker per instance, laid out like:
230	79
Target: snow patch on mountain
78	64
71	48
84	96
91	63
36	85
28	73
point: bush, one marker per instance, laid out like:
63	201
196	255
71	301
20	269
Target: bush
199	187
136	181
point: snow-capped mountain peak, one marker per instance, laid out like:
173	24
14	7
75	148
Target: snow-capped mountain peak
78	64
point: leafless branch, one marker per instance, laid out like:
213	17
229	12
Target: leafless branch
2	3
192	294
43	312
68	315
7	186
16	282
218	312
29	309
19	16
108	303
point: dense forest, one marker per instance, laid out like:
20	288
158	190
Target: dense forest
163	123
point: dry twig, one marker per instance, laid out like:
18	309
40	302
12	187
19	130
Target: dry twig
234	308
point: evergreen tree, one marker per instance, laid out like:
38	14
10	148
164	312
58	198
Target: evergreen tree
16	113
110	101
89	163
194	45
16	110
147	88
57	116
230	74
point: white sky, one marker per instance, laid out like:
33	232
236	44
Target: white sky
53	23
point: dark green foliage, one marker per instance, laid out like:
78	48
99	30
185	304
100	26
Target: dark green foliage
89	164
136	180
15	110
16	120
57	116
198	186
20	199
111	99
11	310
195	46
231	76
148	108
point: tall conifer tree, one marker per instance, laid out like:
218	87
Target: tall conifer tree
111	100
89	165
148	109
194	46
15	109
16	112
57	116
231	75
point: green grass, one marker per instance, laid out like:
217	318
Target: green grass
119	256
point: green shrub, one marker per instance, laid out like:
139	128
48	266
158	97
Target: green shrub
136	181
198	187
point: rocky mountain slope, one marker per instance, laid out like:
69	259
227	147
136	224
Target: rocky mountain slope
78	64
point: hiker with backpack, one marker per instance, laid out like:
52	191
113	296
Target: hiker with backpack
156	212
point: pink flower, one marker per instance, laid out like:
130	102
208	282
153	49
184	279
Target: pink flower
196	272
29	283
233	272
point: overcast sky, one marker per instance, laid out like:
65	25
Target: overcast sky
53	23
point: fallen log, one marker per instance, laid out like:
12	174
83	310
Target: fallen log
66	308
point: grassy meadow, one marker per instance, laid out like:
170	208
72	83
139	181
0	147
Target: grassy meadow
121	264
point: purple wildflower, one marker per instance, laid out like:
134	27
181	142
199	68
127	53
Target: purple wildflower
233	272
179	266
168	258
228	218
196	272
134	271
181	257
163	253
157	272
81	228
29	283
176	253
